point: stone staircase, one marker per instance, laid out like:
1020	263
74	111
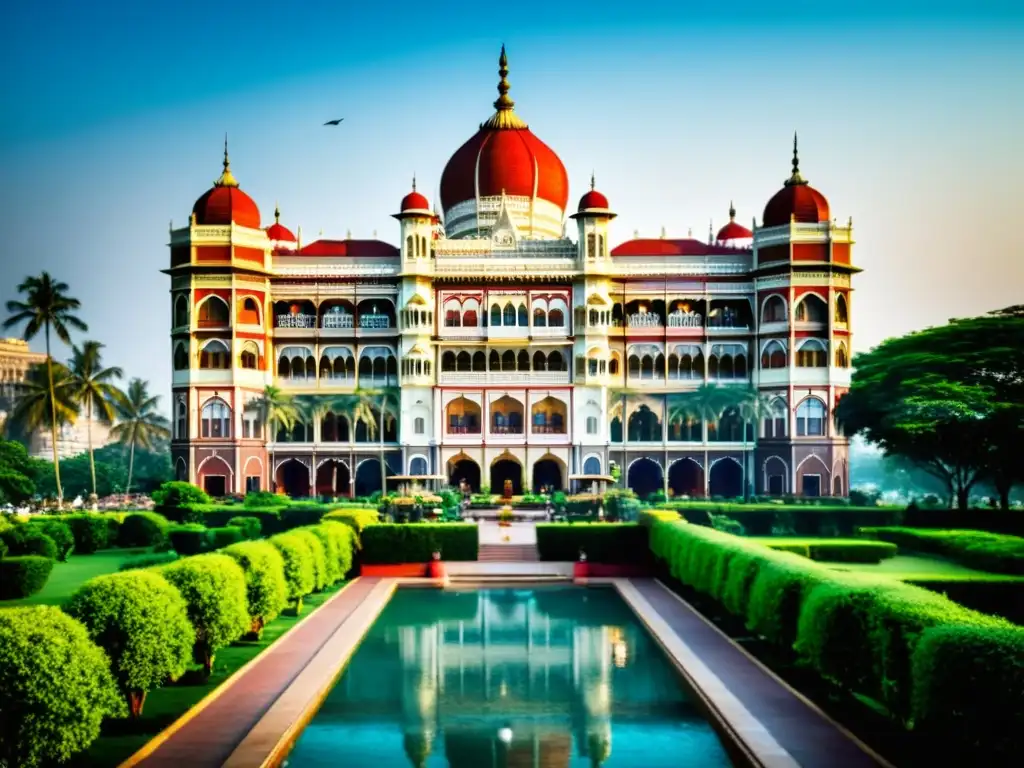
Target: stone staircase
508	553
502	564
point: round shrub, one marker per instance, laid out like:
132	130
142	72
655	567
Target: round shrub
23	576
143	529
91	532
214	590
319	555
223	537
251	527
266	589
176	493
265	500
190	539
25	539
59	532
141	621
343	545
298	566
332	566
148	561
55	687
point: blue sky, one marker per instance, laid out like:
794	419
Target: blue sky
910	117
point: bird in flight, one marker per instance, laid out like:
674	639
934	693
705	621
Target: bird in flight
334	122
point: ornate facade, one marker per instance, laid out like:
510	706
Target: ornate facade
517	353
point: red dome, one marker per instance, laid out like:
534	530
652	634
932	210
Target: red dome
226	203
414	201
732	230
504	156
278	231
593	199
797	200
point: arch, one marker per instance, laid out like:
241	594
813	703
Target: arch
181	311
592	465
507	416
332	478
644	425
215	476
506	467
540	317
810	417
775	476
842	356
508	314
615	364
557	312
181	421
837	484
686	477
811	308
215	419
181	470
215	355
418	465
773	355
213	312
367	477
180	357
725	480
495	315
259	466
547	474
523	316
812	353
644	477
292	477
549	416
842	314
375	314
296	362
249	357
775	421
462	417
335	428
248	310
462	469
773	309
557	361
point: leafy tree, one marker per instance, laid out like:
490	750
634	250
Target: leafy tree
277	410
16	484
92	388
139	424
704	405
266	589
141	621
361	405
55	687
47	307
949	399
619	398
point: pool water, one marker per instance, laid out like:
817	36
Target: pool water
508	678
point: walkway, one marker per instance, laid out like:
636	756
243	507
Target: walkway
780	727
208	736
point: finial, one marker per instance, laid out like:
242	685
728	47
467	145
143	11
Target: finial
732	211
591	179
277	212
796	179
689	232
636	234
171	225
505	117
663	232
375	234
348	234
711	231
226	178
414	181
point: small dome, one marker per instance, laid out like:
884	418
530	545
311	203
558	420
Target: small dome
593	200
732	230
796	201
278	231
415	202
226	203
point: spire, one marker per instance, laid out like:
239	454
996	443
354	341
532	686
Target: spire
732	211
277	212
226	178
505	116
711	231
414	181
591	179
796	179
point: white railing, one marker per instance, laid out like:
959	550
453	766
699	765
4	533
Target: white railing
508	331
680	319
296	321
549	332
339	320
374	322
464	332
503	377
645	320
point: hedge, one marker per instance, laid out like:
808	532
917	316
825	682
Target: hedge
835	550
249	525
148	561
189	539
55	687
223	537
299	574
91	531
602	542
141	621
143	529
356	518
23	576
22	539
318	553
994	520
57	531
976	549
861	631
998	595
266	589
416	542
764	519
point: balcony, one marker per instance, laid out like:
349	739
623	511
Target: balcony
644	324
681	319
503	377
508	332
550	332
295	321
463	332
338	320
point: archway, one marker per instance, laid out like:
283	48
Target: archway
368	477
464	469
686	478
332	479
726	479
644	477
547	473
507	469
292	477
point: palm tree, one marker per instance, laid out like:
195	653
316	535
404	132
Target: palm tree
92	389
361	405
277	410
47	307
619	398
138	422
704	404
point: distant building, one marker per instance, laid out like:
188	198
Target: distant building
15	361
525	358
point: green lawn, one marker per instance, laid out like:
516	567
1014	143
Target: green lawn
67	577
917	567
120	739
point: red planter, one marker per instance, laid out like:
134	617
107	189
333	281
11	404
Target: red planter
608	571
435	570
396	570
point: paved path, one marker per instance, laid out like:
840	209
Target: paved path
212	735
802	730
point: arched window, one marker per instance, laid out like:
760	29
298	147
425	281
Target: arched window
811	309
842	358
773	355
216	419
215	356
452	318
419	426
495	315
556	318
524	317
774	310
180	357
508	315
180	312
213	312
540	319
248	311
469	319
592	466
418	466
448	361
775	419
556	362
810	418
181	421
842	310
249	358
812	354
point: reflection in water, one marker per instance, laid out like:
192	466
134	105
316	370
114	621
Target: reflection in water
509	678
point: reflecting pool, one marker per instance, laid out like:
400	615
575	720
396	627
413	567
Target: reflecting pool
508	678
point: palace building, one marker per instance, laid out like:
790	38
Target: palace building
488	345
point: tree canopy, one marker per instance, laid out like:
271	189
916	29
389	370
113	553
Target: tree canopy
949	399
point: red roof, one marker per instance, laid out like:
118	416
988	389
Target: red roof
280	232
664	247
800	201
593	199
512	160
414	201
734	231
349	248
226	204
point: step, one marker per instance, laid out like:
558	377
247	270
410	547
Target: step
509	578
471	570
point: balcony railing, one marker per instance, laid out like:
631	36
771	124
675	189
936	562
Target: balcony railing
339	320
550	331
680	319
503	377
296	321
374	322
645	320
335	321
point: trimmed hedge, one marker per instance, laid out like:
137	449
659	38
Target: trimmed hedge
761	519
91	531
299	574
189	539
266	589
357	518
976	549
149	561
613	543
861	631
835	550
224	537
249	525
23	539
143	529
23	576
59	532
416	542
318	553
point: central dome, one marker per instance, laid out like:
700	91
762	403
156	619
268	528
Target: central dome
504	166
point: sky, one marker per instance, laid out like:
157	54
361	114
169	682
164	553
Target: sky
910	116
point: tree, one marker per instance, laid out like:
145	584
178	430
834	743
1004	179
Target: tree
16	484
92	389
47	307
277	410
361	404
949	399
705	405
619	408
139	423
